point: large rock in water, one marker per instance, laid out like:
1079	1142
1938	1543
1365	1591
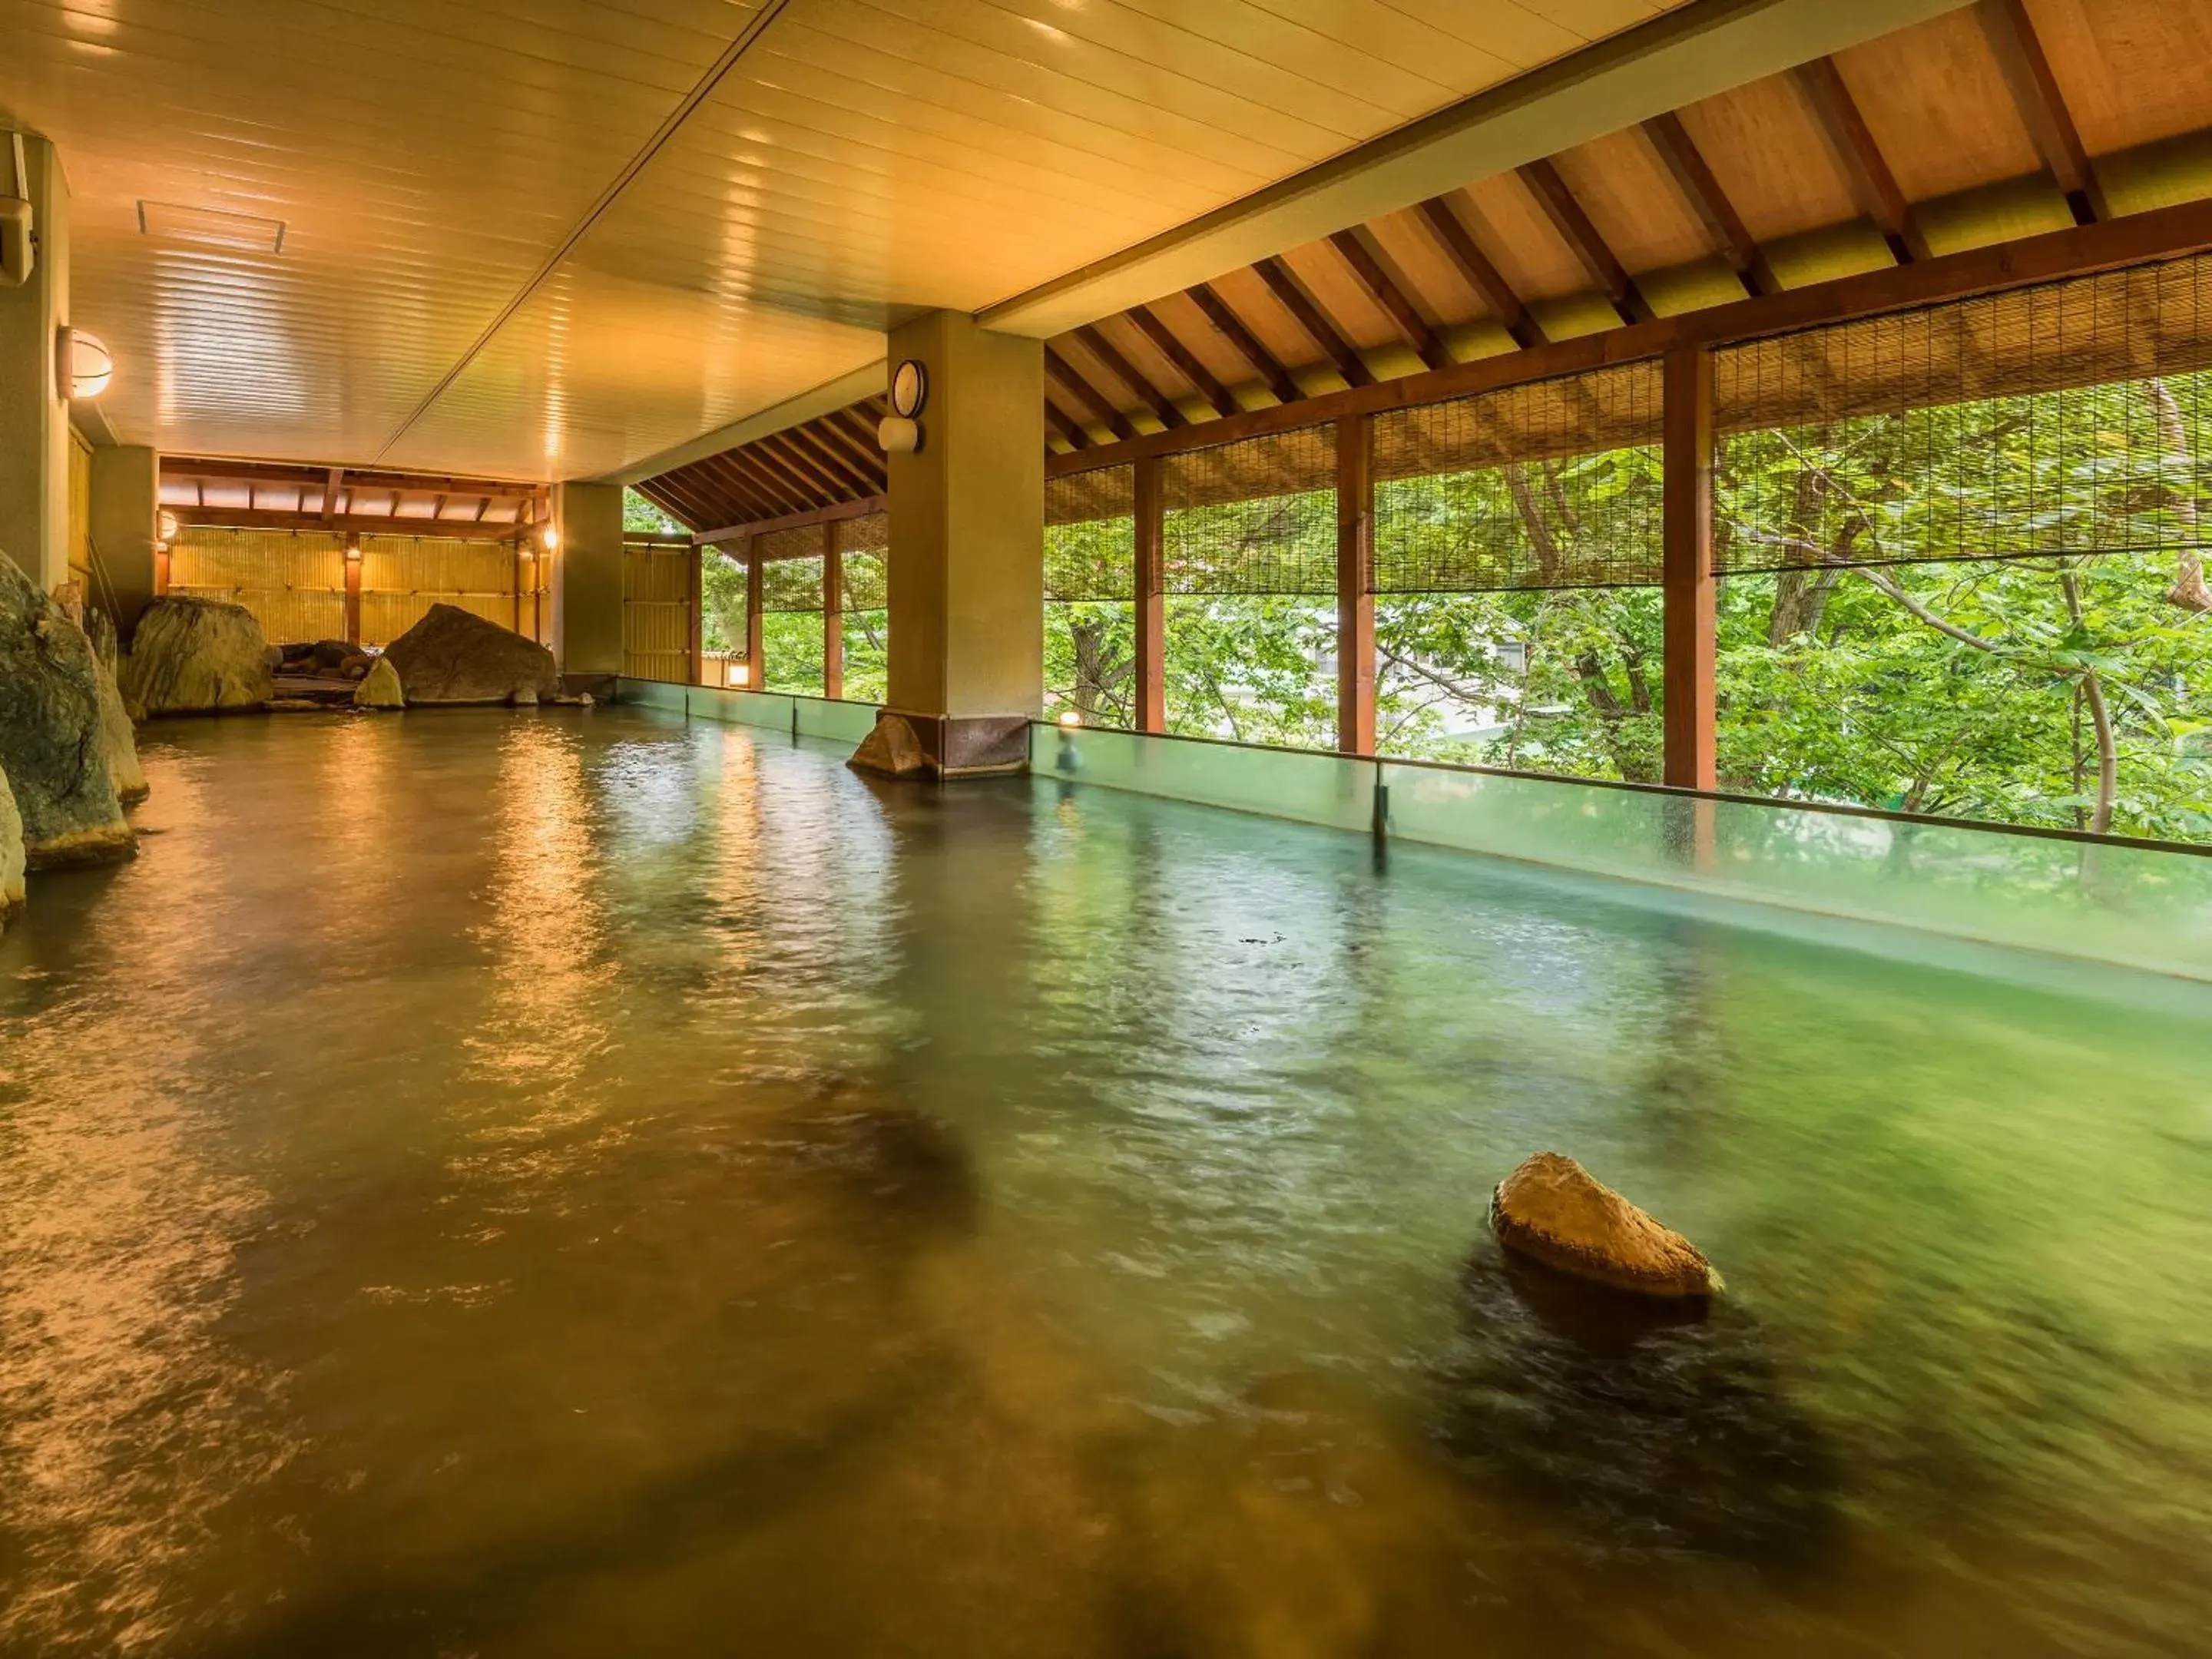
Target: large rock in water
454	655
196	657
379	688
1552	1210
892	750
51	737
119	740
11	855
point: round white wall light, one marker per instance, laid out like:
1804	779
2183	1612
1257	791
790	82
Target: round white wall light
83	365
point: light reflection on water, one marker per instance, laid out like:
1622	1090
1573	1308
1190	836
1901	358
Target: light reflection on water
509	1184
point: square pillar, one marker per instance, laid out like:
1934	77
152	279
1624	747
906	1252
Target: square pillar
1690	627
35	435
127	509
967	547
587	579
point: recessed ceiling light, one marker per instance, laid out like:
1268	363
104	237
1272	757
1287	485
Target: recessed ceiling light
172	221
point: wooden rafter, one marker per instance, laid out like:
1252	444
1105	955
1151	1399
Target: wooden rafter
841	466
2042	105
1233	329
807	484
1162	406
774	487
721	479
786	447
238	518
1482	274
865	455
1872	182
330	487
1170	345
1317	324
1070	429
1581	234
1064	376
1694	177
1384	290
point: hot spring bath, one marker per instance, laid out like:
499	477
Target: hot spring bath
573	1184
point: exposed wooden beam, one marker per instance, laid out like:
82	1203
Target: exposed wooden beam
330	487
1314	321
1148	679
773	486
865	456
1687	597
1590	248
1482	274
1864	166
1154	328
840	466
1064	376
720	482
1355	587
2042	105
1162	406
237	518
1383	289
1231	328
1701	188
2134	239
837	514
1066	425
786	447
769	458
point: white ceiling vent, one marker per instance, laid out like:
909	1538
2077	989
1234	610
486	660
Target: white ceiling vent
211	227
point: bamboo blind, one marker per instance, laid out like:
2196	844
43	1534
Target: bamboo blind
656	612
292	581
1257	516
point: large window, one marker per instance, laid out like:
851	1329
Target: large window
1249	563
1090	589
862	545
791	611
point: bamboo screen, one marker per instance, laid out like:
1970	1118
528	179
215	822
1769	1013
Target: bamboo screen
862	545
1257	516
1555	484
294	582
657	613
80	515
790	585
1091	535
402	576
2060	419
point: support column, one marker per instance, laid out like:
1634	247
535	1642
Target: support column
1151	622
588	579
1690	633
966	552
833	611
755	669
34	437
127	509
352	559
1355	596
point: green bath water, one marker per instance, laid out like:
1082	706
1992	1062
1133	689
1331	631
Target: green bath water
582	1184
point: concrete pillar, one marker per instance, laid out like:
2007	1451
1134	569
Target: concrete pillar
966	566
34	440
126	491
588	579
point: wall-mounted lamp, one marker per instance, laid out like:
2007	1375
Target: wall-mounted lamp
741	673
352	551
551	538
1070	717
165	525
83	365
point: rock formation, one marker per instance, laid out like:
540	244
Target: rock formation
455	656
51	746
892	750
195	657
119	742
11	854
100	629
380	688
1552	1210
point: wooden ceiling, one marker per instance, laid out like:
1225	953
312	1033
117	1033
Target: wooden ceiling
1993	122
265	495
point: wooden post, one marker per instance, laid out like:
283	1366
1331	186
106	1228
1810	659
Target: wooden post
1691	645
1355	596
833	613
351	557
756	679
695	600
1151	679
514	575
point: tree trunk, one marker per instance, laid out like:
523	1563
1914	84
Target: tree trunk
2189	590
2100	720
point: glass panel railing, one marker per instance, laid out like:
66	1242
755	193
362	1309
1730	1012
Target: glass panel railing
2140	906
800	716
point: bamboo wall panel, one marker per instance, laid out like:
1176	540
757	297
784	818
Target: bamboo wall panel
294	582
402	576
657	613
80	513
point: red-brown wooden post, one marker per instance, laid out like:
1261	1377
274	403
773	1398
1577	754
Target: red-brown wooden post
352	561
756	674
1355	586
1152	677
1691	645
694	600
833	612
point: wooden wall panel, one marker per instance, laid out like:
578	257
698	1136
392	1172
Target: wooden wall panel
402	576
293	582
657	613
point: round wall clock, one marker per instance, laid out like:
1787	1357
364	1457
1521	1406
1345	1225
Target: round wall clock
909	388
